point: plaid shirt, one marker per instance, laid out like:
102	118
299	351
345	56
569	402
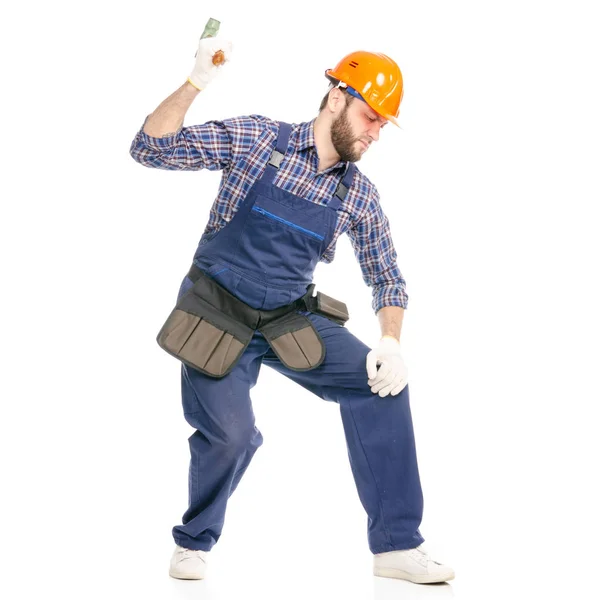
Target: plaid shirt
241	147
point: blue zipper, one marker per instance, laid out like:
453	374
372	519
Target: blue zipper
262	211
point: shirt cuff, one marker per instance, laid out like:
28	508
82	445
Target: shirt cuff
389	296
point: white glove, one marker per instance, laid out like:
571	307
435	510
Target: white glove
392	374
204	70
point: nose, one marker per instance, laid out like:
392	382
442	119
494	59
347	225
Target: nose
374	131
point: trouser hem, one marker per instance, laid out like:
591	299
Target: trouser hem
191	545
401	546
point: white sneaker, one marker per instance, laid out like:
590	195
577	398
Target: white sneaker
188	564
413	565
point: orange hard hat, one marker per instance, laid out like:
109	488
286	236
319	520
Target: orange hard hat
373	77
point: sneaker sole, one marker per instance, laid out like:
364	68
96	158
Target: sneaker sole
177	575
399	574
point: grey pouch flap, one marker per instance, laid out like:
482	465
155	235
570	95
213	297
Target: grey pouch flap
332	308
201	336
295	341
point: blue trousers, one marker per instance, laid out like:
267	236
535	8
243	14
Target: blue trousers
379	437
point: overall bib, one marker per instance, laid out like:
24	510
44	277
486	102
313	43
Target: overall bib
266	256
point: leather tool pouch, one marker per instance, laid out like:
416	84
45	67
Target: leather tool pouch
295	340
201	332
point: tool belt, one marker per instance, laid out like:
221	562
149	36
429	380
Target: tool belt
210	328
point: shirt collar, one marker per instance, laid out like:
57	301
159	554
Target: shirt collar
306	135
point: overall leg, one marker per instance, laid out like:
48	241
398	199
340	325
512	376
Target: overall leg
379	436
223	444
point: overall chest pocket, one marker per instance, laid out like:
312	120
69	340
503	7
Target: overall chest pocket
269	215
281	241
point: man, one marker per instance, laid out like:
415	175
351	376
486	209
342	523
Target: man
287	193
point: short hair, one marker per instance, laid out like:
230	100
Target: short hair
348	97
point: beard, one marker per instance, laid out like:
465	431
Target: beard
343	140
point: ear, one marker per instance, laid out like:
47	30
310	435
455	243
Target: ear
336	100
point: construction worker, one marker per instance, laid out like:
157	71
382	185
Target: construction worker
287	193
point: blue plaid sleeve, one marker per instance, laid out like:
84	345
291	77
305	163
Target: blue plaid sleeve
214	145
374	249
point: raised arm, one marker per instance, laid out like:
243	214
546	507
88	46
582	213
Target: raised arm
168	117
162	144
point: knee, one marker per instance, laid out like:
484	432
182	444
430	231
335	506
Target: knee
231	441
236	440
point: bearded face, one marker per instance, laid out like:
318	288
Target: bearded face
346	144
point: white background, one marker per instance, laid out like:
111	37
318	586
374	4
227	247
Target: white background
491	187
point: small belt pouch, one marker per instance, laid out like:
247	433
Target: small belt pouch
295	341
203	336
333	309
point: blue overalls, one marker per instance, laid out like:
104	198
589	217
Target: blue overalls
266	256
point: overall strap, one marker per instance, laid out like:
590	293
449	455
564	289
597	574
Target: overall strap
278	153
343	186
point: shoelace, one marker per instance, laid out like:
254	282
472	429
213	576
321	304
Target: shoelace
419	555
186	553
422	557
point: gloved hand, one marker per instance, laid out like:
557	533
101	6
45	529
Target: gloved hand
392	374
204	69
